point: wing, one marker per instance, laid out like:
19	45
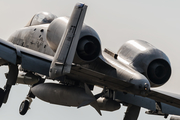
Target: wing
170	103
155	107
29	59
40	63
97	78
165	97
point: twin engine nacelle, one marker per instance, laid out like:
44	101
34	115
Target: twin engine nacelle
89	46
146	59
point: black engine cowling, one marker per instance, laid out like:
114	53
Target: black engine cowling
89	46
148	60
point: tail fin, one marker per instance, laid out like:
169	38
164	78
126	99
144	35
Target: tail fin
64	55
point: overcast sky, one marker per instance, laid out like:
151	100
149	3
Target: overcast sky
116	21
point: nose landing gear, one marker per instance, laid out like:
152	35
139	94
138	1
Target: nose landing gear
24	107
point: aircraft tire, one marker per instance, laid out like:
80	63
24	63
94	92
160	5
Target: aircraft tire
24	107
1	96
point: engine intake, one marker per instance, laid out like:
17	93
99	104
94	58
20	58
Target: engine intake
159	71
88	48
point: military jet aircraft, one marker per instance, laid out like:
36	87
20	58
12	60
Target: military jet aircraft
66	50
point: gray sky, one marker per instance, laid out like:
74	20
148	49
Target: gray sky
157	22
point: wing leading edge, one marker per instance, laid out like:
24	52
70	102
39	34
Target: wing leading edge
165	97
29	59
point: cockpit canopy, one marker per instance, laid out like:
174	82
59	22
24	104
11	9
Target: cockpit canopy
41	18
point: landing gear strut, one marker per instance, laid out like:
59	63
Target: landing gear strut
1	96
11	80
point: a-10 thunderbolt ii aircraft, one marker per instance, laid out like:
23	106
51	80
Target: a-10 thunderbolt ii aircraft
68	51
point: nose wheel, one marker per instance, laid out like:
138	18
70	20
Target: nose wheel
24	107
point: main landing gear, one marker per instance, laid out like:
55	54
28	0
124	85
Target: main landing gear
1	96
11	80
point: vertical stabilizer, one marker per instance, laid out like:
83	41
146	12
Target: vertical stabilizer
65	52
